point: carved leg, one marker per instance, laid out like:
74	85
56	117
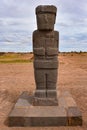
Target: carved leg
40	83
51	84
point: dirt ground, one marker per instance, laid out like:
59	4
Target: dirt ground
18	77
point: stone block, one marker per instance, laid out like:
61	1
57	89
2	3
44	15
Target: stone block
64	94
40	93
74	117
22	102
38	116
66	100
31	114
52	94
45	101
70	102
16	121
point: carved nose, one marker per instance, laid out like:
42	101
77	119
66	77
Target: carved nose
46	19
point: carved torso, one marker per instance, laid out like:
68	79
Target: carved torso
45	47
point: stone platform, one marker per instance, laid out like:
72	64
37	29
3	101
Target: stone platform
26	114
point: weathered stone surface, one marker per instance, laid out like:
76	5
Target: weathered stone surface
73	113
74	116
52	93
45	47
46	17
45	98
40	93
47	64
24	99
31	115
50	51
45	101
49	39
67	102
46	8
45	79
64	94
39	51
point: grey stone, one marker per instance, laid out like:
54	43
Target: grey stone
39	51
49	39
52	51
45	9
40	93
45	98
22	102
46	17
64	94
74	117
52	94
45	48
45	101
67	102
45	80
32	115
47	64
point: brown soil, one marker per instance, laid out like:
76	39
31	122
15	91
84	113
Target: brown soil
18	77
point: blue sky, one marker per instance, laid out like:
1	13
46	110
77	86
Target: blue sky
18	21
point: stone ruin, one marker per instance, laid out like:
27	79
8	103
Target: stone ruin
46	107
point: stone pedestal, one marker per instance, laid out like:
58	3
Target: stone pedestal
25	113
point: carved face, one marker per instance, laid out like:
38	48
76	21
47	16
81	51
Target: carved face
45	21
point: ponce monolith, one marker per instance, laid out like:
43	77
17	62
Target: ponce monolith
46	106
45	48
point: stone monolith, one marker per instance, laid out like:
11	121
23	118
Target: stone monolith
45	48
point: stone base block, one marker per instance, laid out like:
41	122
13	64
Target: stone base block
40	93
51	93
45	102
74	116
25	113
45	98
38	116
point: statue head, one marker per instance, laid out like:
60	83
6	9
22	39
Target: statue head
46	16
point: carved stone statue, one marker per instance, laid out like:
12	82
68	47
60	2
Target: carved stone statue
45	48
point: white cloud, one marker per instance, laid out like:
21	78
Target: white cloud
19	16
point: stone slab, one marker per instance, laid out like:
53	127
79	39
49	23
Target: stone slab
25	113
74	116
45	102
38	116
67	102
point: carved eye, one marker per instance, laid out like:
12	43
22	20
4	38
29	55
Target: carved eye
46	18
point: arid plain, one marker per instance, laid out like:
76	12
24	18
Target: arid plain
17	75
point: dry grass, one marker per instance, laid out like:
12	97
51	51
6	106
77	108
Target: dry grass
16	57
